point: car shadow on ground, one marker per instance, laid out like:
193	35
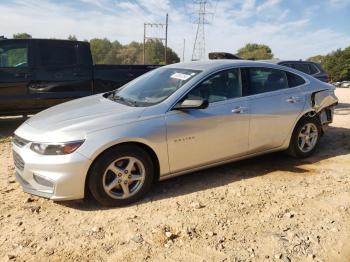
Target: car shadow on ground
335	142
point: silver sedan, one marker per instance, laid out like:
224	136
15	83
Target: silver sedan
168	122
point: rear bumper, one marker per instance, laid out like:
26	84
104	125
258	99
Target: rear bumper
326	115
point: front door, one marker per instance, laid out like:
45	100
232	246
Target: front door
198	137
15	75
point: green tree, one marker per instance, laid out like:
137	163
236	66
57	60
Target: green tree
255	52
22	36
316	59
72	38
112	57
100	49
337	64
106	52
155	49
131	54
172	57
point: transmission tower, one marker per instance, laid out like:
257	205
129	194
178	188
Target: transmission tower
199	42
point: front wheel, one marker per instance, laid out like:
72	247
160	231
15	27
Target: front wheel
305	137
121	176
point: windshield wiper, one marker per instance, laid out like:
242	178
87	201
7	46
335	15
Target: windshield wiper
125	101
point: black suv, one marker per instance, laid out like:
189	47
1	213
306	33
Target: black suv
307	67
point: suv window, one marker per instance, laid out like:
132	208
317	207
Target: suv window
219	87
303	67
263	80
57	54
288	65
313	69
14	55
294	80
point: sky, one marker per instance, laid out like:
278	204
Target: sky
294	29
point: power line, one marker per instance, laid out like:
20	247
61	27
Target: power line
199	42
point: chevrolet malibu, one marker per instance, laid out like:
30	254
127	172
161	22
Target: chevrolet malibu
174	120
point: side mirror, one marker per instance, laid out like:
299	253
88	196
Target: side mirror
192	104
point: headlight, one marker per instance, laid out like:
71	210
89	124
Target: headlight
56	149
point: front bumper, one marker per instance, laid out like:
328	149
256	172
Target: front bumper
55	177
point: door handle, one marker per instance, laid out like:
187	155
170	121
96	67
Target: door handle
239	110
23	75
20	75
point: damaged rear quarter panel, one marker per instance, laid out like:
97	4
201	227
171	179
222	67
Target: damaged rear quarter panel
323	99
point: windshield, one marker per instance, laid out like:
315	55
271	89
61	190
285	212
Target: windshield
153	87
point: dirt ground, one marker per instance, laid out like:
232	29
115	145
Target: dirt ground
269	208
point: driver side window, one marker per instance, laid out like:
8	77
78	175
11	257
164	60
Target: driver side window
219	87
13	55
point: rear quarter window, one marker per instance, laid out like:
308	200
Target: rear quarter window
294	80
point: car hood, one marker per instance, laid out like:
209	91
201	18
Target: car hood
76	118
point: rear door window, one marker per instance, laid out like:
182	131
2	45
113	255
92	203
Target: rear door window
262	80
57	54
13	55
303	67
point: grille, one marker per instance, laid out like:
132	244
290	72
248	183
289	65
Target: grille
18	161
20	142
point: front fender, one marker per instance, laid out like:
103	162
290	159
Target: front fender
153	135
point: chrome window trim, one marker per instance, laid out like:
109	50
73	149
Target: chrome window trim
307	82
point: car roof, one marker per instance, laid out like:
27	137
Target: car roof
210	65
40	40
279	61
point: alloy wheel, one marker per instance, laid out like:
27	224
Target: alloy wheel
124	177
307	138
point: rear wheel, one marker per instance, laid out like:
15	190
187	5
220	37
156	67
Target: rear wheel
121	176
305	137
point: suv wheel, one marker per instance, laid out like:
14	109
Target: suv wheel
121	176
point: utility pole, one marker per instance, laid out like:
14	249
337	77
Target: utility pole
166	40
149	37
144	43
199	42
183	51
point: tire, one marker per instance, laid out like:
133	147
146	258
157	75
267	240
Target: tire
296	147
121	176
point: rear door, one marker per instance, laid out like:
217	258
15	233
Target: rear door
15	75
60	74
275	102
